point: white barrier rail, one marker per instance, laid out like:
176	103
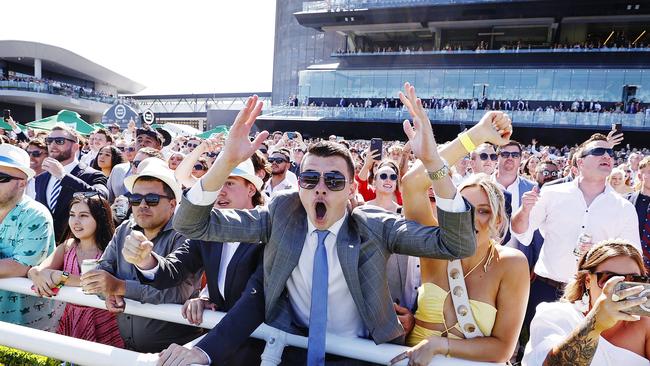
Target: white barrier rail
59	346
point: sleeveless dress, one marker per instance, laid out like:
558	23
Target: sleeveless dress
431	300
91	324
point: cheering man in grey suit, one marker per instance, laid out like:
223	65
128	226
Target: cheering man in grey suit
316	248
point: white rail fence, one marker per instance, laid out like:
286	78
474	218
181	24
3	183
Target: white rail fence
89	353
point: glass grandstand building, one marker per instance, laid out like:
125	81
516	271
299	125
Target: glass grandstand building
576	65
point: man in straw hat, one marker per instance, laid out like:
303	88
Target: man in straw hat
153	196
26	239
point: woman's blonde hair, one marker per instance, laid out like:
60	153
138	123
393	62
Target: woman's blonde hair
598	254
499	220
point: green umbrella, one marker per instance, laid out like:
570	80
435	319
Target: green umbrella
4	125
219	129
98	125
69	118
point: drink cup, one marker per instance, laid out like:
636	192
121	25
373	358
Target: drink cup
88	264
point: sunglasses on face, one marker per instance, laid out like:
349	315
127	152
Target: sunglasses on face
598	151
485	156
554	173
334	181
200	167
129	149
603	277
508	154
35	153
136	163
213	154
152	199
263	151
57	140
277	160
385	176
193	146
121	148
4	178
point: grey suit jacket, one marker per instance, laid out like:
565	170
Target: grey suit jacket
367	238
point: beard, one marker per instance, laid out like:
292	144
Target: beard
64	155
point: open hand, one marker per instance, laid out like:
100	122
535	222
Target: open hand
420	134
238	147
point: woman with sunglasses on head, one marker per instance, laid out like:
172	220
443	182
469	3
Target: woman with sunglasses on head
386	184
107	158
194	166
90	230
589	325
470	308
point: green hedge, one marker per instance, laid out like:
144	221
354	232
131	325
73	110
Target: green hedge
15	357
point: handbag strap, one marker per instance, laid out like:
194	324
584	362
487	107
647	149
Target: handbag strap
460	299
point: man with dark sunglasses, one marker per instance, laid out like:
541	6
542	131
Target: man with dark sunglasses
27	239
311	237
484	159
64	175
281	177
567	213
37	151
153	196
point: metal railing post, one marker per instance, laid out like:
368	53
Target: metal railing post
275	343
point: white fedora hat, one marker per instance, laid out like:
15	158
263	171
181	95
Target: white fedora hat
246	170
156	168
15	157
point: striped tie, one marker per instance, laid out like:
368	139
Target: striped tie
54	195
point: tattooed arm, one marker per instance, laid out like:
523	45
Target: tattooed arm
579	348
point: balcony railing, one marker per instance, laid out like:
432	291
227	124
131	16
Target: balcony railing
89	353
523	118
53	88
348	5
493	52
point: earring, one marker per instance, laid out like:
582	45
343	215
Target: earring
583	304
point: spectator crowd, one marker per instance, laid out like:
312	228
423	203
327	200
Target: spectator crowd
482	248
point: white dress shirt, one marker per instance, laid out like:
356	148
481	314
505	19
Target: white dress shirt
227	252
342	315
287	183
413	282
562	215
89	157
513	189
50	184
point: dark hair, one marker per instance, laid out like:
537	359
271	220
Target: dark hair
103	216
167	189
102	131
116	157
510	143
71	133
546	162
261	163
38	143
326	149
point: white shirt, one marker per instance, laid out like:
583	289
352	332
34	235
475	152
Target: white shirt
554	322
50	184
413	282
342	315
227	252
513	189
562	215
287	183
31	188
89	157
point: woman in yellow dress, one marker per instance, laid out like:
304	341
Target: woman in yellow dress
496	277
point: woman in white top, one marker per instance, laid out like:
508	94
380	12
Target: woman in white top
588	325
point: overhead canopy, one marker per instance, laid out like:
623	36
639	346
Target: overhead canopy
219	129
69	118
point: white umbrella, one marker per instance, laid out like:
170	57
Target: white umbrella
180	130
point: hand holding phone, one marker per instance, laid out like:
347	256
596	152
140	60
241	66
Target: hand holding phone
6	114
376	145
641	310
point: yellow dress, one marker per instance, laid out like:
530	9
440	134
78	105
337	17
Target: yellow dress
431	299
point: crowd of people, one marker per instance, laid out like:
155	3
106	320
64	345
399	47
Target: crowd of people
481	248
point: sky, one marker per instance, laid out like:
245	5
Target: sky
169	46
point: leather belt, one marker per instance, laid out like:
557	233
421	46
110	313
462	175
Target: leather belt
550	282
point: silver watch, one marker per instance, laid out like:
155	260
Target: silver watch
439	174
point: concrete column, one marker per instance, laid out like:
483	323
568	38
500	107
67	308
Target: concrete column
37	68
38	111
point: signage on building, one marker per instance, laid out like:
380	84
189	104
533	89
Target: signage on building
148	117
120	114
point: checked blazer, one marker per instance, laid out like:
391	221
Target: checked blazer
367	238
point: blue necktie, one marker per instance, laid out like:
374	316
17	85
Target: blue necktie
54	196
318	309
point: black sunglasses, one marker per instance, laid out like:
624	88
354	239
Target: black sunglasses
213	154
598	151
57	140
508	154
35	153
89	194
193	146
263	151
200	167
385	176
136	163
277	160
604	276
554	173
4	178
152	199
121	148
130	149
335	181
485	156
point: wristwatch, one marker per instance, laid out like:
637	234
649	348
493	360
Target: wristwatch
439	174
64	277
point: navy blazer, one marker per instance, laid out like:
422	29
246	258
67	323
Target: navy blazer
81	179
224	341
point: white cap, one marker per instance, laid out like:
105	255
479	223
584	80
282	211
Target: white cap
246	170
156	168
15	157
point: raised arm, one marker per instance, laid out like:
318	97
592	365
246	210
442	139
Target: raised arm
183	172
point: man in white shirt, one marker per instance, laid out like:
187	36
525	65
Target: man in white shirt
282	178
564	213
96	141
507	175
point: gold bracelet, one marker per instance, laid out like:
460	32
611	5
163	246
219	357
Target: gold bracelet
447	355
467	142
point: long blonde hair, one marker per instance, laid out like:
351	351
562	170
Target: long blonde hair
498	220
598	254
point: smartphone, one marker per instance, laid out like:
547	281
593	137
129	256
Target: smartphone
6	114
617	128
643	309
291	135
376	144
